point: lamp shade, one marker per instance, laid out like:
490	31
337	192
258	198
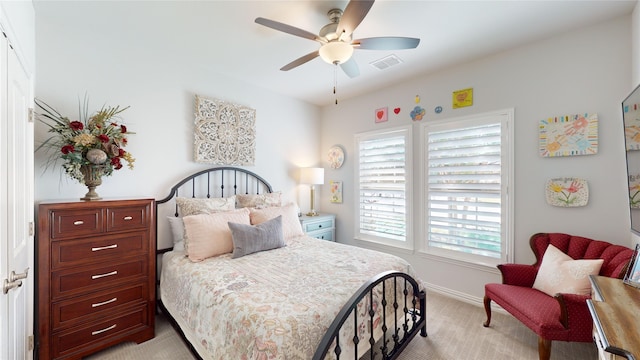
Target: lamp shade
312	176
336	52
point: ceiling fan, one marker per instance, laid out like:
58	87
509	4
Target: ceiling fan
336	38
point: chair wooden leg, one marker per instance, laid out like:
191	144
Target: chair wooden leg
544	348
487	309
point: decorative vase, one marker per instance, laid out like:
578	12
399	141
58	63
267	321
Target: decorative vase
92	179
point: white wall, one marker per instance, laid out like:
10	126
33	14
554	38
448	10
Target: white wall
95	48
577	72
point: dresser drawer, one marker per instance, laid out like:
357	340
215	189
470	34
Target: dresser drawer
96	249
74	223
80	339
320	225
323	235
128	218
70	281
81	309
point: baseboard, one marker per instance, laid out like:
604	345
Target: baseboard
460	296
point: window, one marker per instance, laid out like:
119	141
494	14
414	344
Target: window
467	170
383	183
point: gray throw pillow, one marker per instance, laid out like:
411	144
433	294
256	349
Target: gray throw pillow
248	239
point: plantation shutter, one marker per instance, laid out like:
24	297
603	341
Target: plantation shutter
382	187
464	189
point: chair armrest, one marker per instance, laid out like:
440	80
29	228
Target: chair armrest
572	306
518	274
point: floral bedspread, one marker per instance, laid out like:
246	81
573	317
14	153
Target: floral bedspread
275	304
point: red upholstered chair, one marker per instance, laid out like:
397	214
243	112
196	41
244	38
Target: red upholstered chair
563	317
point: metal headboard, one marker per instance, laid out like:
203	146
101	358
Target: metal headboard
223	181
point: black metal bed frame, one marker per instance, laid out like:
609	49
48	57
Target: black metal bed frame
413	301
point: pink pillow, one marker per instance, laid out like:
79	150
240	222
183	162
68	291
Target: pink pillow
559	273
209	234
290	223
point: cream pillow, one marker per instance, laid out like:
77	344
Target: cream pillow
290	223
259	200
559	273
194	206
209	234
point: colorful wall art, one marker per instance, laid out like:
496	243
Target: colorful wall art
462	98
382	115
567	192
336	191
632	126
569	135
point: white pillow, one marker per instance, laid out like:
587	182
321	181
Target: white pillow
177	231
290	222
209	234
559	273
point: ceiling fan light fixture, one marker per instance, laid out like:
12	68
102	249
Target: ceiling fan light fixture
336	52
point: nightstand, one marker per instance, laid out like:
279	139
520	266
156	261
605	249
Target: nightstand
322	226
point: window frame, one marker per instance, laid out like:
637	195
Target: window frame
406	131
506	118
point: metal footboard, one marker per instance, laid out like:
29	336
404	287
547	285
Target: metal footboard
400	322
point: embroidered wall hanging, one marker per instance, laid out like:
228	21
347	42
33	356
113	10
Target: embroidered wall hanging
224	133
569	135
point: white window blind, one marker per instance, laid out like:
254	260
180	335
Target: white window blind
382	186
465	198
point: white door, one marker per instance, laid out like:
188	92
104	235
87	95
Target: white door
16	215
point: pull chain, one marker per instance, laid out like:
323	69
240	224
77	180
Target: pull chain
335	80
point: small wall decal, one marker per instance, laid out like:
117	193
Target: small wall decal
438	109
417	99
417	113
381	115
396	111
462	98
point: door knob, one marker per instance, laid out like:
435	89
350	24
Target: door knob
10	285
14	277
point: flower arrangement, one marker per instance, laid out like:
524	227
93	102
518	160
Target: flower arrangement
92	140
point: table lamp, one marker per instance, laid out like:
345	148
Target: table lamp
313	177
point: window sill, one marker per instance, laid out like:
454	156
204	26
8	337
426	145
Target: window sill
475	265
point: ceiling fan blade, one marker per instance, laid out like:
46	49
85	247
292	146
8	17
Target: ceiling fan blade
350	68
386	43
299	61
352	16
288	29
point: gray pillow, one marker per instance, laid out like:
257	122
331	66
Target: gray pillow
248	239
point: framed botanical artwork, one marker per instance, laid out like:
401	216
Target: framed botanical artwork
336	191
569	135
631	116
632	277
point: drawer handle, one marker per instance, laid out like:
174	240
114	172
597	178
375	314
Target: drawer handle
93	277
103	330
127	218
104	302
104	247
78	222
320	225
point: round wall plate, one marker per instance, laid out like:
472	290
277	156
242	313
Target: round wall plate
336	156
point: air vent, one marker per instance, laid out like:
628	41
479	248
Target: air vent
386	62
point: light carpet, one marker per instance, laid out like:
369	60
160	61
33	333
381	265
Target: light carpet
454	330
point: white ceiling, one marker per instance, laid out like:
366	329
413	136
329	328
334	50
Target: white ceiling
222	37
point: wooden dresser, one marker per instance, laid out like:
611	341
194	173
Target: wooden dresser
615	309
95	275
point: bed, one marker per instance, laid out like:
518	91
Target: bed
302	298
